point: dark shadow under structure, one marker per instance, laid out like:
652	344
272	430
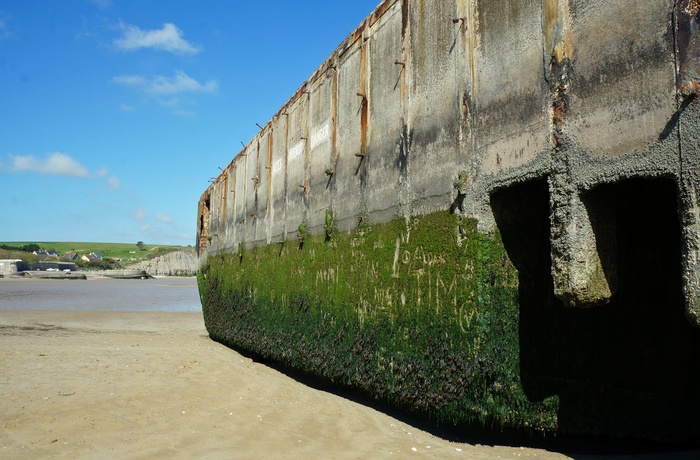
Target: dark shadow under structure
630	368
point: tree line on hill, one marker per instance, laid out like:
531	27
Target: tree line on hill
31	247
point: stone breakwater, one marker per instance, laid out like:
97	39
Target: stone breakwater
568	135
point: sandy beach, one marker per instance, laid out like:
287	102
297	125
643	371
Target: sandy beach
85	384
153	385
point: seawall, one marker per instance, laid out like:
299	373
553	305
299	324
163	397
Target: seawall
562	139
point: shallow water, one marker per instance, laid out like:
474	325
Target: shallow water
162	294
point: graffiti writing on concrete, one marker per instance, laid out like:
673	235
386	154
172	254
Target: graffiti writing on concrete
320	135
297	150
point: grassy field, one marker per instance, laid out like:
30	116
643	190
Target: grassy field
125	252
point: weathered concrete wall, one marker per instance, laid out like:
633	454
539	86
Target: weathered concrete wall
571	127
580	93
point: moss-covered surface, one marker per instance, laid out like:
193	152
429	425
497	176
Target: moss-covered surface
420	314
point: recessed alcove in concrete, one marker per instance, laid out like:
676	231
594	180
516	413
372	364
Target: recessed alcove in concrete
630	363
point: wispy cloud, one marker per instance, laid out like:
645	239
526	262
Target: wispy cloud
143	215
185	113
104	4
54	164
165	90
140	214
127	108
154	231
148	228
167	86
4	32
130	80
182	83
169	38
113	184
164	219
156	224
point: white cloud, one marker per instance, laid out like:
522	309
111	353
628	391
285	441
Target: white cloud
55	164
167	86
165	219
169	38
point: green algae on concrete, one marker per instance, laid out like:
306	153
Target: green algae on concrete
421	314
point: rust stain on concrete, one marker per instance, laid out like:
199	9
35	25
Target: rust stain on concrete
557	33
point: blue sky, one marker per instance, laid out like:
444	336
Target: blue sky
114	114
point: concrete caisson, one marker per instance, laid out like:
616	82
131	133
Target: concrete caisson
587	111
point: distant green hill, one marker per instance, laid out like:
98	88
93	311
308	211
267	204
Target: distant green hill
126	253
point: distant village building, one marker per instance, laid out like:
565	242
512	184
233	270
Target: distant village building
47	265
70	256
92	256
42	253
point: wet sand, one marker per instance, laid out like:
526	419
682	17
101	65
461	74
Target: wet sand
153	385
175	294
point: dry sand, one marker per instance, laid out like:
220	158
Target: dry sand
153	385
